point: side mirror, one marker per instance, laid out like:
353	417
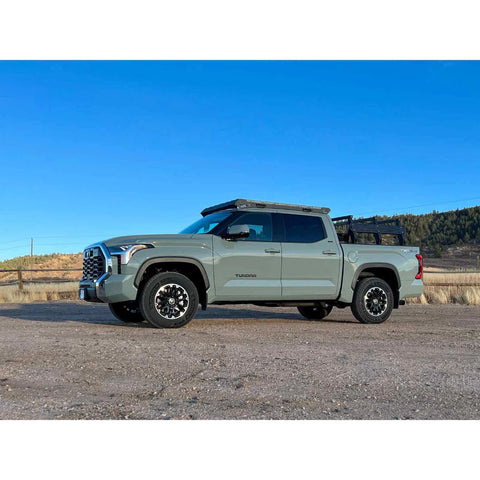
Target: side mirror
237	231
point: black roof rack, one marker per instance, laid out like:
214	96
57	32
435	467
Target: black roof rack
240	203
353	227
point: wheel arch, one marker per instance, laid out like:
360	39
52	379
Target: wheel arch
385	271
190	267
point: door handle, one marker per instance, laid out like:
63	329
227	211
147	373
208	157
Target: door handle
271	250
329	252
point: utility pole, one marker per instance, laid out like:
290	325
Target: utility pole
31	247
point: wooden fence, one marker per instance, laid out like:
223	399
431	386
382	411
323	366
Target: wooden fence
450	272
21	280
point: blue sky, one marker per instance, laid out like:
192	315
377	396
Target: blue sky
90	150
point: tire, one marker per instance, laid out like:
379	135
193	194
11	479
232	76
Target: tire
315	313
372	300
169	300
127	312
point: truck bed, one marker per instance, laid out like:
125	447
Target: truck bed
386	232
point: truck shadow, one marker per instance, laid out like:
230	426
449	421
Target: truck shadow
61	312
254	313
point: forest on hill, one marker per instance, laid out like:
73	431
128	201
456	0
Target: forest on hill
435	232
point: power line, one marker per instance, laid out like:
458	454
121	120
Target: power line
26	246
14	248
59	236
56	244
418	206
73	236
14	241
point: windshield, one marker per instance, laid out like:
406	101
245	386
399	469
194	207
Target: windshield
206	224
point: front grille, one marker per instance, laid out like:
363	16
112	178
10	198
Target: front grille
93	264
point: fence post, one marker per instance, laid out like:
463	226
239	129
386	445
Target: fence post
20	278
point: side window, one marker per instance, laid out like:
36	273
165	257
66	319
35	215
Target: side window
303	229
260	225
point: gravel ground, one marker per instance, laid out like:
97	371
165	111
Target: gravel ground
73	360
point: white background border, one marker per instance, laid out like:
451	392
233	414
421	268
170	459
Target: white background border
244	29
239	449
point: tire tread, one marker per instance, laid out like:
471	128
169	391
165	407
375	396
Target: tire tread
358	306
148	310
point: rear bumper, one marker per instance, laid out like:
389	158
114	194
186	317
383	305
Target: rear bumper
413	289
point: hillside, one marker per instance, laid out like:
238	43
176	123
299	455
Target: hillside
446	239
435	232
455	257
41	262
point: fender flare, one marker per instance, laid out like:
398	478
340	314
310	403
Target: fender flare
365	266
153	261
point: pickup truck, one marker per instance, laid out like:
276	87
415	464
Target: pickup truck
262	253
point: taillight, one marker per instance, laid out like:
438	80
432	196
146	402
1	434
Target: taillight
419	275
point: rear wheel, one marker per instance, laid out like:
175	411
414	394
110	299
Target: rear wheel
315	313
127	312
372	300
169	300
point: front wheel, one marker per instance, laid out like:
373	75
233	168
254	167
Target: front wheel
372	300
169	300
317	312
127	312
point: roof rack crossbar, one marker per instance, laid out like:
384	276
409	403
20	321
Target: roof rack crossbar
241	203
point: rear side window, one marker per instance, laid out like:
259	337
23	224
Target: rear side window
302	229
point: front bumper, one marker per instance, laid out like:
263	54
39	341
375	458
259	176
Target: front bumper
88	294
111	289
93	291
112	286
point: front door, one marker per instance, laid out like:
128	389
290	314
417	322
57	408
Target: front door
248	268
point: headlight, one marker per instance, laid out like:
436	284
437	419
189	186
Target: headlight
126	252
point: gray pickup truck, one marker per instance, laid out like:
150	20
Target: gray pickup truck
262	253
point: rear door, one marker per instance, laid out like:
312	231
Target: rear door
248	268
311	259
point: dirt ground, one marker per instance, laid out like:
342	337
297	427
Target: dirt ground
72	360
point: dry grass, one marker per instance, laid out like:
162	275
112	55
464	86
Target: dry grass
45	292
462	288
59	285
431	278
459	290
